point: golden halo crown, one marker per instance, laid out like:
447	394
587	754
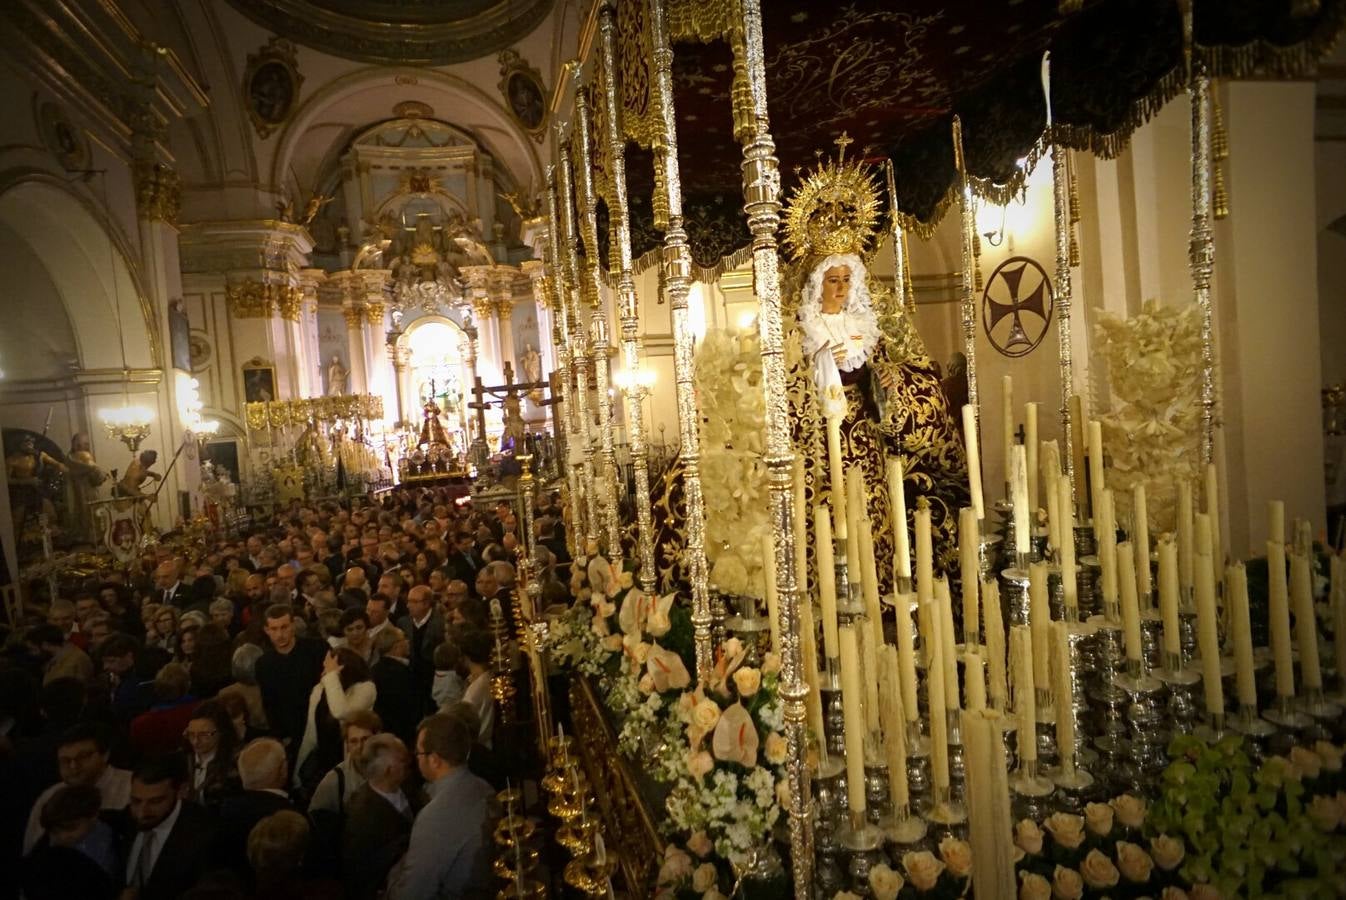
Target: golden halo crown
834	210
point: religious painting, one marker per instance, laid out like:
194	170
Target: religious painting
521	84
271	85
179	336
259	382
223	454
1017	306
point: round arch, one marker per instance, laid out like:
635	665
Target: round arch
499	135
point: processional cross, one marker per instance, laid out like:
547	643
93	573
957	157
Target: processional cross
508	396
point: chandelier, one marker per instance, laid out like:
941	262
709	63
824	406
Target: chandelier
128	424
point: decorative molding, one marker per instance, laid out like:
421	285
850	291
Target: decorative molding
158	192
271	85
252	299
525	94
289	302
353	314
373	312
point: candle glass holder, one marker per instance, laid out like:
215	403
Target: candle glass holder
834	719
957	760
1182	683
918	765
1151	639
862	845
1045	707
1326	716
878	802
1187	628
1075	787
1088	584
944	813
1081	637
1257	731
1031	790
829	811
1145	714
1107	698
903	829
989	555
1015	594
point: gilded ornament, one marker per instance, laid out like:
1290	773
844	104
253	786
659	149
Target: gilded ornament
289	301
158	192
249	300
834	210
373	313
354	315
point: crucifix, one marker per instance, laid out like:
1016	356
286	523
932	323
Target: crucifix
509	397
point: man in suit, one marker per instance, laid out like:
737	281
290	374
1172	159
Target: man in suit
446	855
462	564
378	820
173	839
424	626
264	773
398	700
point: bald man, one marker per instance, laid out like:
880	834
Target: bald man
170	588
355	578
424	627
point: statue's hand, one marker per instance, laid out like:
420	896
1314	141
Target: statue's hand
887	379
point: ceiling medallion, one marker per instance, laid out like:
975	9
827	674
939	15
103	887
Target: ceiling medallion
271	85
398	32
525	95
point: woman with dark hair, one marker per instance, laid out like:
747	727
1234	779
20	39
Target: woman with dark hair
426	562
212	744
184	650
344	688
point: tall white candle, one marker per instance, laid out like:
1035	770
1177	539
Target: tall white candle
1208	636
1096	478
801	532
853	720
897	504
1126	576
836	478
1306	624
1065	718
855	509
1186	535
1019	495
1039	624
969	569
1245	675
869	679
974	680
870	582
935	702
1007	418
894	729
1025	701
1140	535
995	643
1106	532
973	459
1278	618
1276	521
772	597
949	654
1054	517
1213	510
1031	451
1070	589
925	553
827	582
1168	596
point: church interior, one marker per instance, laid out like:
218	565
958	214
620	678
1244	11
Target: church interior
777	449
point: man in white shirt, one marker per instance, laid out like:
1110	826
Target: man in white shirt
82	758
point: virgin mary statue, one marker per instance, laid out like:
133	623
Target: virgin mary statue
853	352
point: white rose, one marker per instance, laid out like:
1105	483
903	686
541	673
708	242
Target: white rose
612	643
1130	810
957	855
705	715
1306	761
1168	852
747	680
775	749
699	763
1098	871
1098	818
677	866
1065	829
699	844
922	869
1028	837
1067	884
1173	893
884	882
1135	864
704	878
771	664
1034	887
1205	892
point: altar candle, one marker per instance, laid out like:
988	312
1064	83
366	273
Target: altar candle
1245	677
1186	535
1276	521
1054	517
1208	636
973	458
855	508
894	729
1213	510
801	528
813	703
1140	535
974	679
1168	596
1278	616
1019	495
949	642
1096	482
969	568
925	553
1106	535
837	479
995	642
853	720
935	701
869	679
1306	623
1070	588
869	582
827	582
897	505
1025	703
1031	450
1083	498
1039	624
772	597
1007	418
906	655
1126	576
1065	717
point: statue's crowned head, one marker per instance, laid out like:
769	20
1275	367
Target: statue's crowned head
834	210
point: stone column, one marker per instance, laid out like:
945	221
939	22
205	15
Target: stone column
502	296
406	401
490	363
354	314
536	273
310	358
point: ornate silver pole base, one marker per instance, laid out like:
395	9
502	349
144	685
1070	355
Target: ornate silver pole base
1256	731
918	766
1031	791
863	843
1081	636
1182	688
1145	713
829	810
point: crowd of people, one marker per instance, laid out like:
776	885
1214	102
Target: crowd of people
302	711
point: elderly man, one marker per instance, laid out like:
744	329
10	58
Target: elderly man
169	585
378	820
446	855
82	759
424	626
264	773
